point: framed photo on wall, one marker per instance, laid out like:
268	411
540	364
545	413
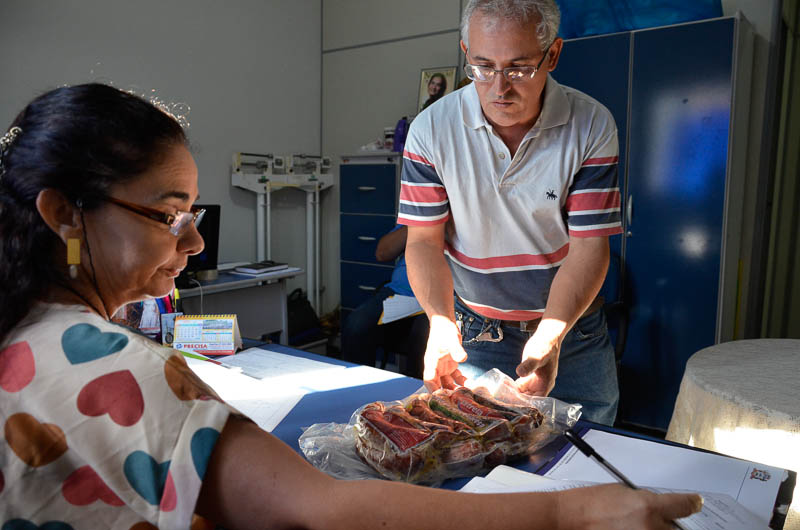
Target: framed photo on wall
435	83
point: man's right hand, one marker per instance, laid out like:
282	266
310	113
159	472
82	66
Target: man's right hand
443	354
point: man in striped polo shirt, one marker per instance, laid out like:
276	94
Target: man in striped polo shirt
509	189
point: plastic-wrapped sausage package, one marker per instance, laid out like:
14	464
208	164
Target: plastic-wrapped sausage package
429	437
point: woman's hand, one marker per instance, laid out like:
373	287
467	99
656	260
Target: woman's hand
613	506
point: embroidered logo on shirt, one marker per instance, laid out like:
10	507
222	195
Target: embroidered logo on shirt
760	474
551	194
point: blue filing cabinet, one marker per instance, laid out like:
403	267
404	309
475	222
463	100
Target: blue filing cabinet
672	93
368	195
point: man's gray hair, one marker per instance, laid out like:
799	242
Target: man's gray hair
522	11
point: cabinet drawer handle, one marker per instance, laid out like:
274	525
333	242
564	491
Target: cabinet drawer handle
367	188
629	211
367	288
366	238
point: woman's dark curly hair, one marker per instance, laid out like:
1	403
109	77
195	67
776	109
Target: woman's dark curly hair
80	140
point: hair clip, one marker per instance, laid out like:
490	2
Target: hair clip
5	142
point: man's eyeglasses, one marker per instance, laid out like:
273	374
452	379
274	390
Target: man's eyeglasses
177	222
514	74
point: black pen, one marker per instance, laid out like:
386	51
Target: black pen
589	451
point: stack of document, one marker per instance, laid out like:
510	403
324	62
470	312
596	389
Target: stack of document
399	306
719	510
738	495
658	465
260	267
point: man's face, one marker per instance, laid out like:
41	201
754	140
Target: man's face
500	44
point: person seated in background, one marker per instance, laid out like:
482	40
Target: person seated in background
104	428
362	335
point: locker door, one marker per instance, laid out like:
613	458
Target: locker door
599	67
680	116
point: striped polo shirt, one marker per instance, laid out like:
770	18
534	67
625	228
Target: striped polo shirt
512	217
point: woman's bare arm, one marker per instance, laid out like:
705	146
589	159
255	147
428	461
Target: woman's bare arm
256	481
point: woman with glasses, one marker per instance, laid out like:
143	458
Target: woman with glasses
103	428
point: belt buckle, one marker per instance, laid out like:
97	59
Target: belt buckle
523	325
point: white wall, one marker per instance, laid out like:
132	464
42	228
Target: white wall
371	54
249	70
373	51
762	15
252	73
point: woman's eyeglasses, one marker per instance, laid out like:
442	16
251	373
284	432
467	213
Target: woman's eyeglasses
177	222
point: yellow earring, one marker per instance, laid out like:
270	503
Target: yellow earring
73	256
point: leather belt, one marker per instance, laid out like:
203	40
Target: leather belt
530	326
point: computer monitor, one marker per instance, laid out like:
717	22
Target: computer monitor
207	259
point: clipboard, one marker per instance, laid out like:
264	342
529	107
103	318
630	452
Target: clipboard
649	462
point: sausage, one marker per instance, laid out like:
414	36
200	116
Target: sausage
446	434
419	408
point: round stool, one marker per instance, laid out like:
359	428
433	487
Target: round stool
742	399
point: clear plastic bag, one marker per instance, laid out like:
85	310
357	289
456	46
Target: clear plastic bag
428	438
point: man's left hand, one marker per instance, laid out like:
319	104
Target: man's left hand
539	365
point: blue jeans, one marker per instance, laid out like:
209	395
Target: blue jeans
362	335
587	372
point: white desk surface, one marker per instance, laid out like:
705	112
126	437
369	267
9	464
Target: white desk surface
333	393
228	280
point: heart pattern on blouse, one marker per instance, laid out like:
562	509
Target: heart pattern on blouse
83	343
84	486
151	480
117	394
202	444
37	444
17	367
184	383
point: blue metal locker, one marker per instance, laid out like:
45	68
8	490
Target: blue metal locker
599	67
671	92
681	97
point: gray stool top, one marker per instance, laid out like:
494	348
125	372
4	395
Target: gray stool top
762	375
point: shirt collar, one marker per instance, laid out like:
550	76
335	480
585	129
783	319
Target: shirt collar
555	109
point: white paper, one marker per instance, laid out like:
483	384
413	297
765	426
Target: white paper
264	404
719	510
511	476
266	385
265	364
655	465
398	306
352	376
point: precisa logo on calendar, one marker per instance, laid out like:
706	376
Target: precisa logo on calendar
190	345
760	474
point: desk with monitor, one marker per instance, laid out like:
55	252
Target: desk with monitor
259	302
